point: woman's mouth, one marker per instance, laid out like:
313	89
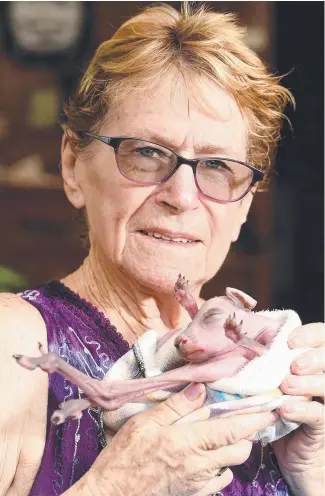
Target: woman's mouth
171	238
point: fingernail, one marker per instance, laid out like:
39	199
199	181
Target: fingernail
17	356
193	391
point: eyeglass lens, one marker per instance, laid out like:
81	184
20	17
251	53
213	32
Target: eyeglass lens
145	162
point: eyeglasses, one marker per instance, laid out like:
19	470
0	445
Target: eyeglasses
223	180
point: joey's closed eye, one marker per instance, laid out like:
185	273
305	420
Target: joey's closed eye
212	312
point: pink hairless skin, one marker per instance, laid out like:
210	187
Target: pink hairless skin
223	336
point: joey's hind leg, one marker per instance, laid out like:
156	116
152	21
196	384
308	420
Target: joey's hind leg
51	363
184	297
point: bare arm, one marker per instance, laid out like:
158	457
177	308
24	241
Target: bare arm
24	405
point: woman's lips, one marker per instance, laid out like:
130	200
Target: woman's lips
170	237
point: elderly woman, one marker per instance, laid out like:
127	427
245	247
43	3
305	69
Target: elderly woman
165	142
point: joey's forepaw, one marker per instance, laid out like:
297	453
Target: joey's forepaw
180	288
232	329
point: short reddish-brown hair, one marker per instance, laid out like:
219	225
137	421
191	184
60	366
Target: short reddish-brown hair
196	46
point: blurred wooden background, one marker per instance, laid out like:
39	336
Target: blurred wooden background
39	236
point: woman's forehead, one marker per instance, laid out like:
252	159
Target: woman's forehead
211	119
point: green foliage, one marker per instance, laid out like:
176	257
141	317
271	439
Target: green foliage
11	281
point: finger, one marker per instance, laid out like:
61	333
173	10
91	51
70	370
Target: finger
310	362
213	434
310	412
216	484
176	406
228	456
307	385
309	336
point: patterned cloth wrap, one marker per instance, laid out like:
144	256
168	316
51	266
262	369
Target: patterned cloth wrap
255	388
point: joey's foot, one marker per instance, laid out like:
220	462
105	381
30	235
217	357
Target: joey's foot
47	362
70	409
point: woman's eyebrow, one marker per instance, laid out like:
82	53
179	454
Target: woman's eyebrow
169	143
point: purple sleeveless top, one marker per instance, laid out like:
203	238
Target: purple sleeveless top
84	337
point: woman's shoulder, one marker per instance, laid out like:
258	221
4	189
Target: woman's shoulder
24	393
13	307
21	325
12	300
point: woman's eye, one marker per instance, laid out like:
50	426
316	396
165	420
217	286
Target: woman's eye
150	152
213	164
217	164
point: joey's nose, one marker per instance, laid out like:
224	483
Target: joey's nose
179	341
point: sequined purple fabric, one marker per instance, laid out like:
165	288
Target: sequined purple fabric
82	335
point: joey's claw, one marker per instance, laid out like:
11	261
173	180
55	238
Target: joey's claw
181	287
232	329
184	297
230	323
41	348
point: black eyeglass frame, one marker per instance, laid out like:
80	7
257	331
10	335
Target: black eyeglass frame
115	142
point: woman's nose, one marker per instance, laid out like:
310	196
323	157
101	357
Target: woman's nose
179	193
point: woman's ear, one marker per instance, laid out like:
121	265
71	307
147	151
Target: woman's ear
69	174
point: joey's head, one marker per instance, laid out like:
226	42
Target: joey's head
216	327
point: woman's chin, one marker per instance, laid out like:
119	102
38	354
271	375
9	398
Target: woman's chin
159	267
158	279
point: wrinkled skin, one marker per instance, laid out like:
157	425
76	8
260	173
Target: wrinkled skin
214	344
196	457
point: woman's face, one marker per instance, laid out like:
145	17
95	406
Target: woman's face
121	213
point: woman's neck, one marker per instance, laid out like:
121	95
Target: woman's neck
130	308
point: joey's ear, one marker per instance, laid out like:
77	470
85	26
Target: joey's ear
241	299
69	174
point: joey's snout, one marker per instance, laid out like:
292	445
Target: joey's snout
188	349
180	341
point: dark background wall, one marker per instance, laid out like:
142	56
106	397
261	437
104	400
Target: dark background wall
279	256
299	194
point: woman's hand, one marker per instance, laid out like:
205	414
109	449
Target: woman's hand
151	455
301	453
